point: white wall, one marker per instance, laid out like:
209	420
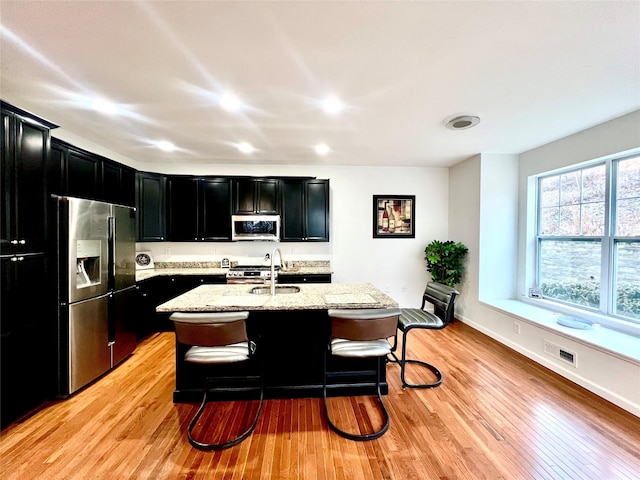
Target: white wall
483	217
395	266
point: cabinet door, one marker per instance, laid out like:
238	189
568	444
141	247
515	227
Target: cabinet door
30	195
150	206
182	204
244	196
56	168
25	147
215	216
267	196
317	210
128	186
83	175
7	187
256	196
28	333
118	184
305	210
293	210
312	278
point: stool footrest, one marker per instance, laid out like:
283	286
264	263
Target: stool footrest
433	369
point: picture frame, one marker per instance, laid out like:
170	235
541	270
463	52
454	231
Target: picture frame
394	216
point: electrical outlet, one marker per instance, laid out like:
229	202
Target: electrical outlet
516	328
403	288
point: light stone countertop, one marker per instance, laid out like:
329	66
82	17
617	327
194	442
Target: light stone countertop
319	296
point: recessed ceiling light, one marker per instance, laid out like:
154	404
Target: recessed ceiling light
332	105
245	147
463	122
322	149
104	106
166	146
230	102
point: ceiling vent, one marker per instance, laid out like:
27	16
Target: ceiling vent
463	122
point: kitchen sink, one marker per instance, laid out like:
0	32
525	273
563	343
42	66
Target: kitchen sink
279	289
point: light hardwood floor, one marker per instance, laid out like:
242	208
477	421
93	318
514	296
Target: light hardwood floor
497	415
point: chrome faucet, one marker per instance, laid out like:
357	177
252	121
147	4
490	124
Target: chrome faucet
273	269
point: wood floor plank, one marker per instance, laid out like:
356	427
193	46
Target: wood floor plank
496	416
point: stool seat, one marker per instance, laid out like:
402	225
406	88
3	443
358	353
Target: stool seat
414	317
237	352
352	348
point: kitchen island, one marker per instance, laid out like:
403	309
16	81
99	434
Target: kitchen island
291	331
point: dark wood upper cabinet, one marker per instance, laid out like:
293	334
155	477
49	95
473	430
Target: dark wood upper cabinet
118	183
150	206
256	195
216	209
182	209
199	209
79	173
82	175
25	150
305	210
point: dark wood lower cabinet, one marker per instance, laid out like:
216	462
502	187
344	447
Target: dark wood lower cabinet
314	278
154	291
27	337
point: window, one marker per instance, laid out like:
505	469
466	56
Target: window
588	237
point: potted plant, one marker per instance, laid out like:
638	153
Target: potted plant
445	261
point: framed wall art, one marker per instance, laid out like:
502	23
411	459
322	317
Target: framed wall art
394	216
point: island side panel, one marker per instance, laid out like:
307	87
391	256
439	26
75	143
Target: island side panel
291	345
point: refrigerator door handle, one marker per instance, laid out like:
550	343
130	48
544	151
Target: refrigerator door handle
112	247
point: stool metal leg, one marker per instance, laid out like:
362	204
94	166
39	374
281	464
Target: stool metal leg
404	360
353	436
231	443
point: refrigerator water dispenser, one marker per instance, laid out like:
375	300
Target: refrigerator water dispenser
87	263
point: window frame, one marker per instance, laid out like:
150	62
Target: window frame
609	240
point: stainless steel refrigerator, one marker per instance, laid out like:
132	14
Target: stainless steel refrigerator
96	265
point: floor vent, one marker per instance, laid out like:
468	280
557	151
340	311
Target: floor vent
563	354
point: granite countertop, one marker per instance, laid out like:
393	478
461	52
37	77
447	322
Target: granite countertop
319	296
195	269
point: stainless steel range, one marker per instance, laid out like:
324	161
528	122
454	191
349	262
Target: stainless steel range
255	274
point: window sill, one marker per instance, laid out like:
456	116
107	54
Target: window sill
623	345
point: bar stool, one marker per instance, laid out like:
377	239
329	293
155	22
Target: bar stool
215	338
360	334
442	297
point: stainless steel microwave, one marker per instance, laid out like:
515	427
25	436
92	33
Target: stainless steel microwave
255	227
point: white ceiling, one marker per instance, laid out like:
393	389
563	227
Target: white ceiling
533	71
